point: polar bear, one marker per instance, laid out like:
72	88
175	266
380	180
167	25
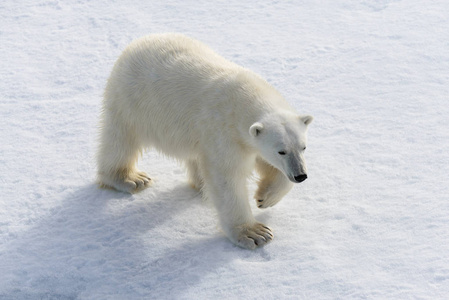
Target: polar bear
174	94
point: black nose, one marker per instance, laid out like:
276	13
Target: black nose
301	178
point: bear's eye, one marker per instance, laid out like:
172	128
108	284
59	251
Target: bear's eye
304	149
281	152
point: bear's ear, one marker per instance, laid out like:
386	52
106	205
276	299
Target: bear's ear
255	129
306	119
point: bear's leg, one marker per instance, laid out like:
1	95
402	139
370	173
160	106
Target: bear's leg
117	158
194	175
272	186
225	185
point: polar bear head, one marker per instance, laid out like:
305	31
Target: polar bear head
281	139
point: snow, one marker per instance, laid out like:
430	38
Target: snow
371	222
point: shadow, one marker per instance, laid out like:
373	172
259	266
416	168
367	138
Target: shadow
91	233
103	244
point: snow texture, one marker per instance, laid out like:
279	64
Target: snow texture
371	222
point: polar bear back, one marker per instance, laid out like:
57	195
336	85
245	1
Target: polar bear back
176	92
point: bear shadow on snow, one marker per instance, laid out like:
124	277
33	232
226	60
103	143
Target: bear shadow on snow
85	242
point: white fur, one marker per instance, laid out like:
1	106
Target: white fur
176	95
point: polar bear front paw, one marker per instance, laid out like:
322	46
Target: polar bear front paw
266	197
253	236
271	192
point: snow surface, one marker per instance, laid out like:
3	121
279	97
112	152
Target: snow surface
371	222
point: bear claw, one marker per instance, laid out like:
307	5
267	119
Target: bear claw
129	182
254	236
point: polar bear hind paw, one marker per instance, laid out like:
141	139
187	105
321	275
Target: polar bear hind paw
128	182
252	237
